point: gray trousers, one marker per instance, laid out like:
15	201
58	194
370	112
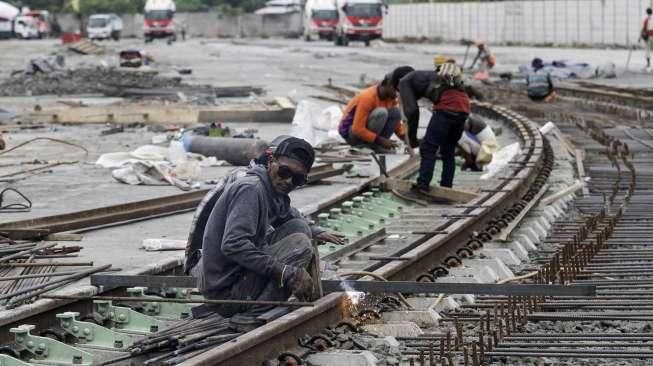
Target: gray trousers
291	245
381	121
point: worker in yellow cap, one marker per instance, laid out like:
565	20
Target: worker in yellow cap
486	61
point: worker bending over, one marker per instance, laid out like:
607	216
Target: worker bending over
255	245
477	144
539	87
445	88
372	116
486	60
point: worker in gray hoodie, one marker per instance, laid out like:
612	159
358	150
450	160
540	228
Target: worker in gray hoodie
255	245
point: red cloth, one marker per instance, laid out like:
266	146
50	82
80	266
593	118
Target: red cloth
453	100
645	28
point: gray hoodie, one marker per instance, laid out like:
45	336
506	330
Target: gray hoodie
247	211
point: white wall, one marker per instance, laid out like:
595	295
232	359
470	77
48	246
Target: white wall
564	22
210	24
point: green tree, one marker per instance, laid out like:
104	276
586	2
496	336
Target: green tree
88	7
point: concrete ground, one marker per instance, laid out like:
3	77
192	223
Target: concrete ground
281	67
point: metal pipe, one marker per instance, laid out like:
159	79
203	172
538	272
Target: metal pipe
179	301
37	290
58	264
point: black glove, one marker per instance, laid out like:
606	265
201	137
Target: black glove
298	281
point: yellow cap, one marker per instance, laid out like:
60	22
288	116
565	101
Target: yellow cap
440	59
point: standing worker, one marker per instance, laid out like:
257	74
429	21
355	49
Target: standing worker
422	84
255	245
486	60
372	115
451	107
647	36
539	86
478	143
184	28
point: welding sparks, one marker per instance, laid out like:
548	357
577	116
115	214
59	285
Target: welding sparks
355	297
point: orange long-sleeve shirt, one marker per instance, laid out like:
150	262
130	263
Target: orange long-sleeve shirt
359	108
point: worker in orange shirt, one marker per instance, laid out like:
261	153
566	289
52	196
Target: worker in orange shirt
373	115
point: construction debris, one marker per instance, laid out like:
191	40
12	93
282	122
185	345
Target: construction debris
102	80
86	47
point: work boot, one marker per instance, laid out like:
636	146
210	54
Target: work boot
418	188
425	192
243	323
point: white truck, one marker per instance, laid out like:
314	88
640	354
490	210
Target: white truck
359	20
104	26
26	27
159	20
7	14
320	19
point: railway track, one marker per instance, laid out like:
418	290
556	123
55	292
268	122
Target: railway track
445	237
452	237
408	242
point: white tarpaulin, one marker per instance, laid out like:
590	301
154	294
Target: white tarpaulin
500	160
156	165
316	124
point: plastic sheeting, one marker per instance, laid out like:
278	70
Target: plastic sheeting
316	124
500	160
156	165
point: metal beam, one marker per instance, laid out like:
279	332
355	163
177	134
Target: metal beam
370	286
144	281
40	227
458	288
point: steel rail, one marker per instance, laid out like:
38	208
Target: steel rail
86	220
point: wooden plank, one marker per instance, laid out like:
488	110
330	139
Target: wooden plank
451	194
247	115
155	114
580	154
158	114
284	103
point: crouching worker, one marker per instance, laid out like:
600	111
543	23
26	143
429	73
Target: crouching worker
539	87
255	245
372	116
478	144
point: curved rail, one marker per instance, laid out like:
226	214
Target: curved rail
482	214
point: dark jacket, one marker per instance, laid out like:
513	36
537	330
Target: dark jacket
247	211
428	84
539	85
412	88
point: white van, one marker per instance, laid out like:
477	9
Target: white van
26	27
104	26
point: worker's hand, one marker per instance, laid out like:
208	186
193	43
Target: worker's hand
299	282
335	238
387	143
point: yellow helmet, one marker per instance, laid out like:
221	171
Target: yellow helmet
440	59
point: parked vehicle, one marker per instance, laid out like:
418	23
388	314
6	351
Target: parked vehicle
277	7
320	19
359	20
159	20
26	27
43	23
7	14
104	26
